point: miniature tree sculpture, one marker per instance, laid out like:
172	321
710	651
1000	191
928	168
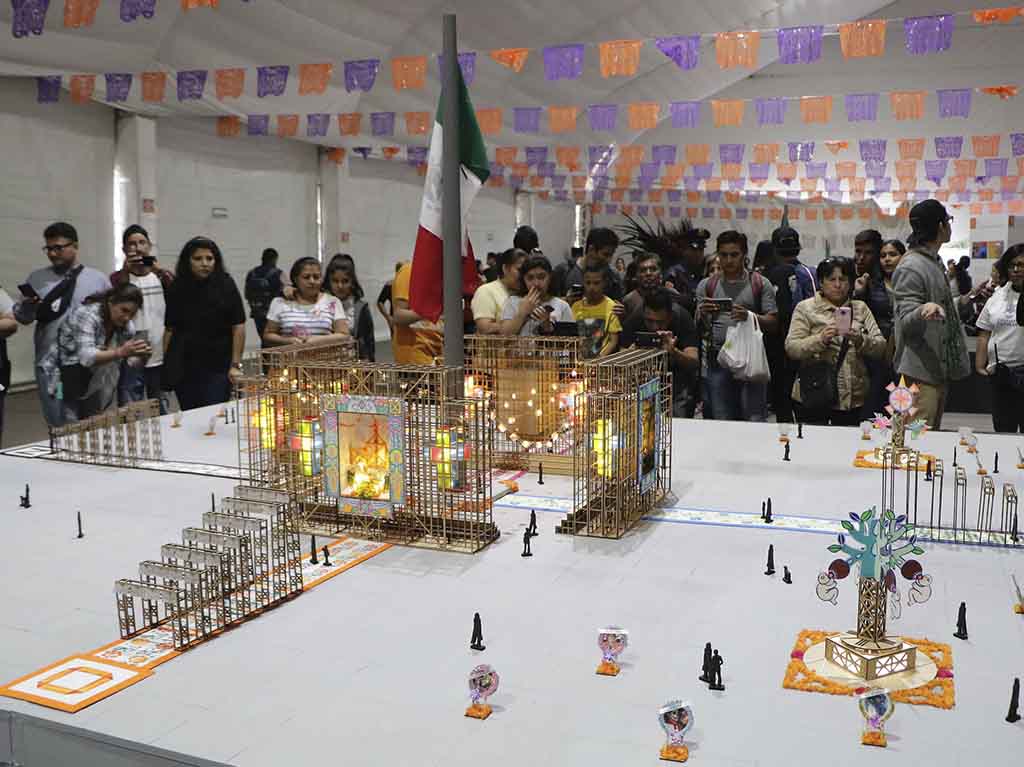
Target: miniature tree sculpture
878	544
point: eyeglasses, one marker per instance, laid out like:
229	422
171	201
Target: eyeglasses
57	249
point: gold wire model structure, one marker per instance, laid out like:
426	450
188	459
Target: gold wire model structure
120	437
387	452
243	560
622	463
532	383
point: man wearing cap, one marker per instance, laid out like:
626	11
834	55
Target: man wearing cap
931	347
794	282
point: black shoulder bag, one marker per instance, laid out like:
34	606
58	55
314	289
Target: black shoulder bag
819	381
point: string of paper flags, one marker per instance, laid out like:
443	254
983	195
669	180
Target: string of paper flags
191	85
28	17
923	35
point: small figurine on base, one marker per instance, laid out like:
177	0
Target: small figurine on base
526	543
961	622
25	501
533	524
786	577
981	469
876	706
612	641
676	719
705	669
715	672
1019	607
176	419
476	641
80	533
327	559
212	429
1020	458
770	569
785	456
972	444
865	430
483	683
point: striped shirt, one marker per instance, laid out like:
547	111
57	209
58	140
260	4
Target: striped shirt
299	320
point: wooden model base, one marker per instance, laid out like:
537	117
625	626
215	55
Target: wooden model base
982	472
674	753
784	439
868	664
1019	609
873	738
869	459
607	668
972	450
478	711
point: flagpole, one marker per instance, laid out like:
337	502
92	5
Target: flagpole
451	203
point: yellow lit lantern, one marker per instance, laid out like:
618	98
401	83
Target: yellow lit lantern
604	441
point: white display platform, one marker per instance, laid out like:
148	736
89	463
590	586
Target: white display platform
370	668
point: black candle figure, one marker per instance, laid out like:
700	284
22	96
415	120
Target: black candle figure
664	459
928	471
213	502
770	570
768	512
799	431
1013	533
785	456
25	502
533	523
762	511
786	577
995	466
540	473
327	560
476	641
1013	715
312	551
954	455
705	669
961	622
526	544
80	533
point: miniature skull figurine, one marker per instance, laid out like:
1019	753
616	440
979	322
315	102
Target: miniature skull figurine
827	590
921	591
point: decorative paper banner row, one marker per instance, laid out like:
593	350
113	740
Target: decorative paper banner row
705	212
617	58
29	16
314	78
541	175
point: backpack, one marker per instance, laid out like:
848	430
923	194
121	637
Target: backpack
259	288
756	286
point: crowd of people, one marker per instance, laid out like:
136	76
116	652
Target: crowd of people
834	336
144	331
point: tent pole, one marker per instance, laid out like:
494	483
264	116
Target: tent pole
451	205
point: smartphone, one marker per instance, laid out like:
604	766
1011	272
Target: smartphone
844	320
648	340
141	335
576	289
723	304
28	291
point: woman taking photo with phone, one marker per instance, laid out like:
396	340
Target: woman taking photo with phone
534	311
830	336
83	367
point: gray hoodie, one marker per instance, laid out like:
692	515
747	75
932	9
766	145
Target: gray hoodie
928	350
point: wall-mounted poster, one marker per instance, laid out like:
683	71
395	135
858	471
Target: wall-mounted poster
987	249
648	427
364	442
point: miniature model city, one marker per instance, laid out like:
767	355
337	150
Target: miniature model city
395	454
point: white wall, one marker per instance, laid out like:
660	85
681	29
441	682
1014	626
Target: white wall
378	207
267	186
56	163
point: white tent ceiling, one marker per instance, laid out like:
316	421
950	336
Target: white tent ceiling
247	34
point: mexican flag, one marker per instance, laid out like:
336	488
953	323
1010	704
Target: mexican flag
426	290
